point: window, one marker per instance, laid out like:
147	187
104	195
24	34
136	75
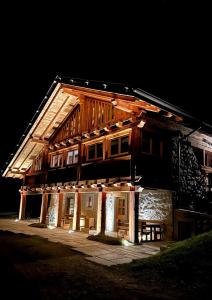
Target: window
37	163
121	206
95	151
119	145
89	201
208	159
72	157
151	143
57	161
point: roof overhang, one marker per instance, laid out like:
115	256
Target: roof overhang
54	112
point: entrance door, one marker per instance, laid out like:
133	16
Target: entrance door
68	210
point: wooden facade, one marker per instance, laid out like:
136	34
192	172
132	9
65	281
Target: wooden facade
99	160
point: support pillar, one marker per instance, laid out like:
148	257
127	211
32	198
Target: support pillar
60	207
22	208
43	212
78	211
133	217
103	213
74	225
100	213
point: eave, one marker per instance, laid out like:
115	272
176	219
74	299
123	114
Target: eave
56	109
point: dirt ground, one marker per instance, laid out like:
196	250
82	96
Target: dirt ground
34	268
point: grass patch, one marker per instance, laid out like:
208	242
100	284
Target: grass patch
105	239
186	265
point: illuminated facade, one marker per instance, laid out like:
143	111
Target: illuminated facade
99	158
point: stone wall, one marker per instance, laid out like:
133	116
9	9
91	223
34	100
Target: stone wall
191	184
156	205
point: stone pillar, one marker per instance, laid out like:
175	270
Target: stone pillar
133	217
44	204
60	207
22	207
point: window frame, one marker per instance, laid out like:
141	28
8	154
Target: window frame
119	138
73	151
95	151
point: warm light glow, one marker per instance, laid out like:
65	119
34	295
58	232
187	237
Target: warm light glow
141	124
16	220
125	242
51	226
129	184
140	189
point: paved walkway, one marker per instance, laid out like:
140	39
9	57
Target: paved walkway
97	252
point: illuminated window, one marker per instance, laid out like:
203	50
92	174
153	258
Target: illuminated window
72	157
57	161
119	145
95	151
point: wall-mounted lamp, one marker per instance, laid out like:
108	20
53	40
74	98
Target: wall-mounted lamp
141	124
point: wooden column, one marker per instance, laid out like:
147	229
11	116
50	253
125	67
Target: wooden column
135	150
44	204
103	213
136	207
133	217
78	211
60	206
74	225
22	207
101	209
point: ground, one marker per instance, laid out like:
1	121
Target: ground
34	268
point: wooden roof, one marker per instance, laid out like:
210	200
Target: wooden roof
61	99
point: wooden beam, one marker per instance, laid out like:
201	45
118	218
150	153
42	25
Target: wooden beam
40	141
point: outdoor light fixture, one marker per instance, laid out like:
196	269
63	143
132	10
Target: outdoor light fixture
96	132
71	141
86	135
141	124
118	124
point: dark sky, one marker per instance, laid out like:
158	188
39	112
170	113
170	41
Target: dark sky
162	48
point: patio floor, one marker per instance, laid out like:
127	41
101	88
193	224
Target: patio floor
95	251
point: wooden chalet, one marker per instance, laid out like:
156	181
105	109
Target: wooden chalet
99	159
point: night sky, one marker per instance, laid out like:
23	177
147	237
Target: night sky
162	48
